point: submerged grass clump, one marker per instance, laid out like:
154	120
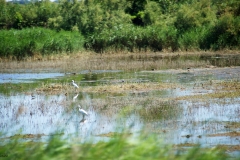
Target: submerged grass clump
221	89
53	88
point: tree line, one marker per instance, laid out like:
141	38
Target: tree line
133	24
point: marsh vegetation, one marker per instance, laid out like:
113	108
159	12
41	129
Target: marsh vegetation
184	110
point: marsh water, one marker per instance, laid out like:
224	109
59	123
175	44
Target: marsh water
166	112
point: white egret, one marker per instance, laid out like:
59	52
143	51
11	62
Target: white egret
74	84
82	111
75	97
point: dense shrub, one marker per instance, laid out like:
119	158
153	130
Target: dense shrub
17	16
129	37
225	34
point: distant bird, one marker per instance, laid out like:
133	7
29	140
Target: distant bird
74	84
82	111
75	97
33	97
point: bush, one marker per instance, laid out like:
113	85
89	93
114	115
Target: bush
192	39
129	37
225	34
31	14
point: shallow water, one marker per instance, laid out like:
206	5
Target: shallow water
26	77
154	112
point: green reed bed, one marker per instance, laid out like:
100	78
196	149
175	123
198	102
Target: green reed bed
27	42
119	147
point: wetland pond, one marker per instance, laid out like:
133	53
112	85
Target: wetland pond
182	107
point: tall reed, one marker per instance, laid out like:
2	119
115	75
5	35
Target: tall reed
26	42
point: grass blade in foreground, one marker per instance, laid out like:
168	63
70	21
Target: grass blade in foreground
143	147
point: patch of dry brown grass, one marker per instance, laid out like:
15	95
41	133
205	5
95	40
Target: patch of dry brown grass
209	96
53	89
25	136
115	134
92	61
185	145
229	148
109	88
230	134
110	61
130	87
